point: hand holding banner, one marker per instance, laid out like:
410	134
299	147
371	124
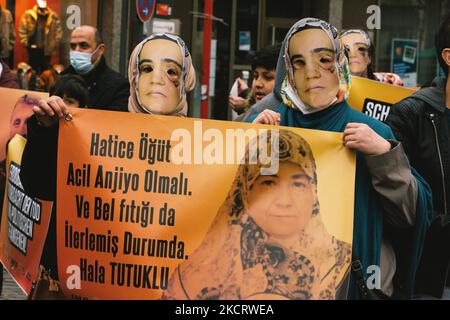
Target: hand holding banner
138	203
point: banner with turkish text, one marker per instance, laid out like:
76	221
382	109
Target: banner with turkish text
156	207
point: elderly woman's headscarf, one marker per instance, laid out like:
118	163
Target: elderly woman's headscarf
187	82
289	92
239	260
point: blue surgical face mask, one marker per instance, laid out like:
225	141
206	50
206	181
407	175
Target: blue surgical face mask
82	61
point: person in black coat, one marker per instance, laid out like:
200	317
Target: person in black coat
422	123
108	90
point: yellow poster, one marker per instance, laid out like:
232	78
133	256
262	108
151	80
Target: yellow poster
154	207
24	223
375	98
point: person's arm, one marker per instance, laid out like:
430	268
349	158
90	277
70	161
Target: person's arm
245	93
238	104
7	80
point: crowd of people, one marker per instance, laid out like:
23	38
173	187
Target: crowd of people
402	168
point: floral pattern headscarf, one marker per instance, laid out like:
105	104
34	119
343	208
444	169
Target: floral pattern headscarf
289	92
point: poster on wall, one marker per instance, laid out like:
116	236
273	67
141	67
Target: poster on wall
405	60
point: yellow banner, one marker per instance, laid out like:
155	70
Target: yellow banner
154	207
24	223
375	98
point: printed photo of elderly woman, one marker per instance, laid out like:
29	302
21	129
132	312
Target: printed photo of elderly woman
268	240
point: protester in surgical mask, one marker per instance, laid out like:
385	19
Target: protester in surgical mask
108	90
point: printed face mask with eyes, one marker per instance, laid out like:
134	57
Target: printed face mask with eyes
160	72
358	54
313	60
282	204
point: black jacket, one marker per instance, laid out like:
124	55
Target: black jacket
421	123
108	90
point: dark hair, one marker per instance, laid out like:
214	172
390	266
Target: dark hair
267	57
442	42
71	86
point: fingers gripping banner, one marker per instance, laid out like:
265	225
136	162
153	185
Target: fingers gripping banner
153	207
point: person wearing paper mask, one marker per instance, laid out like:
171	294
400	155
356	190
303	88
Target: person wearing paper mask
161	73
108	90
392	202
